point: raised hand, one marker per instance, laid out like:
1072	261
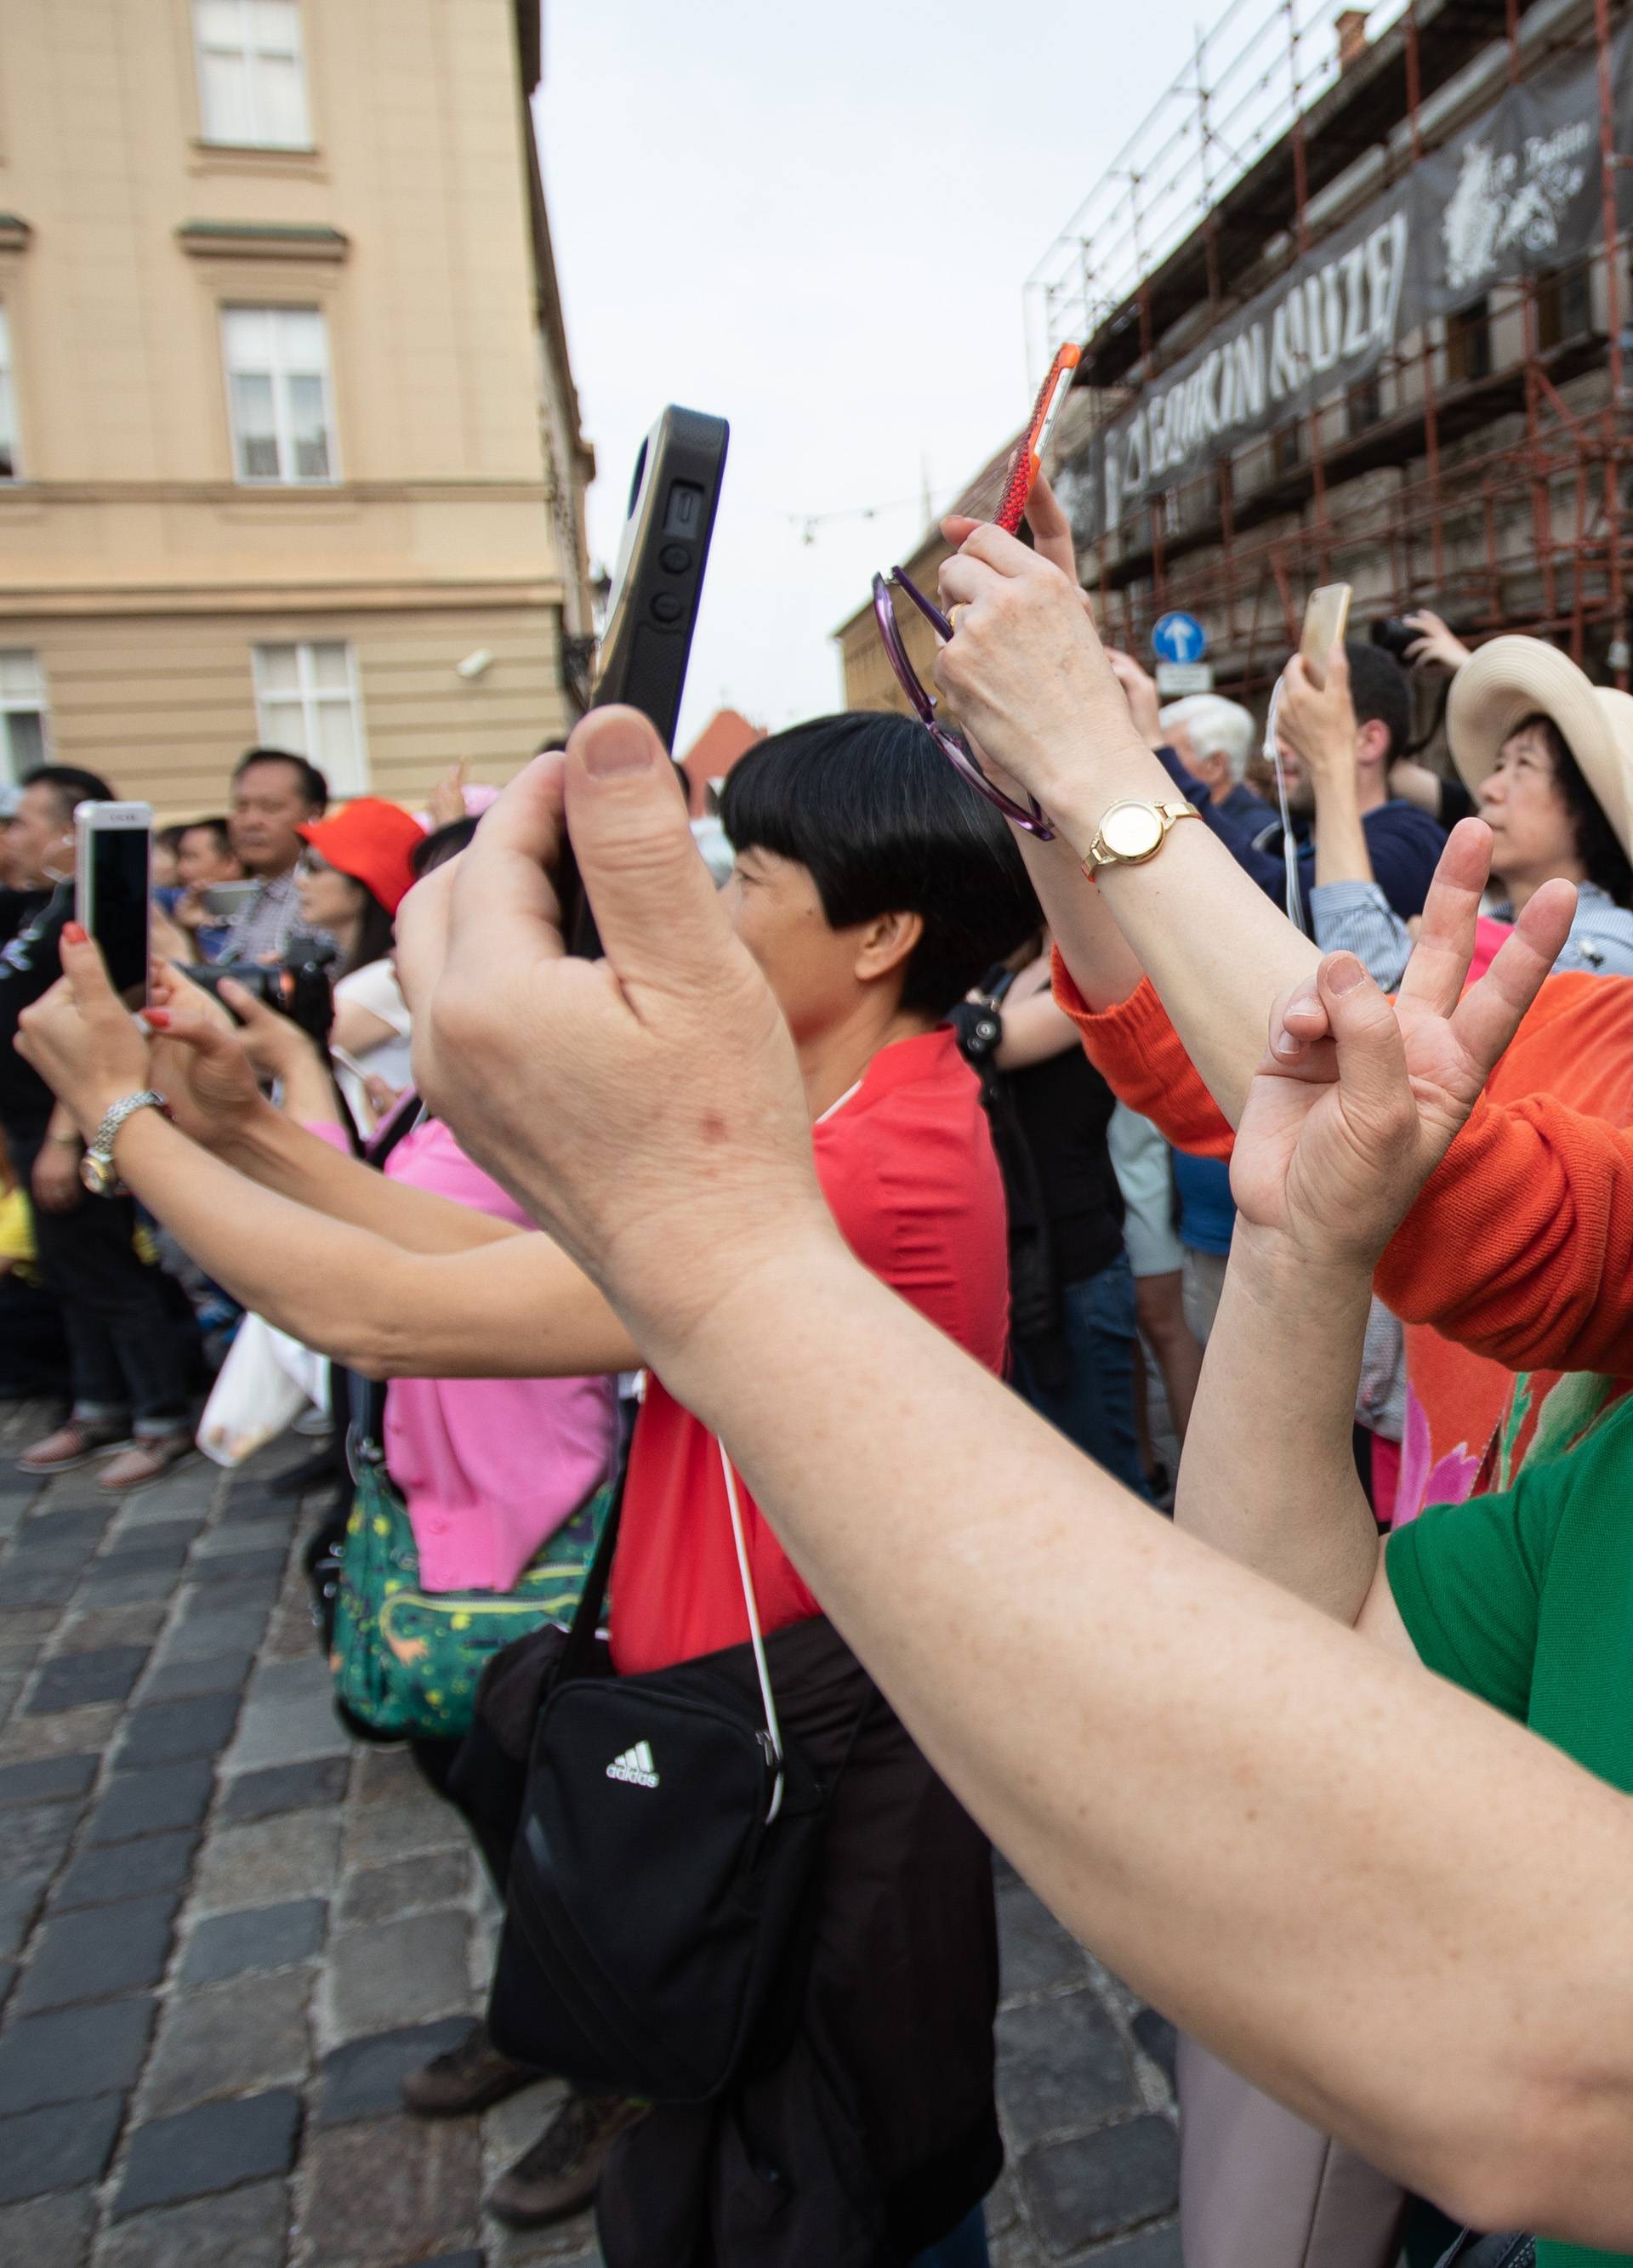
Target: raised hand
1316	723
647	1109
201	1060
1358	1099
1437	645
82	1039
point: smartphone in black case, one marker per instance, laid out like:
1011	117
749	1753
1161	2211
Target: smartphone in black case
652	608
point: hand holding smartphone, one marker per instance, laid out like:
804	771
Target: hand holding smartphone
652	609
113	862
1326	618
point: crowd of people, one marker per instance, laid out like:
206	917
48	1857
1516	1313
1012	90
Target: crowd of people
701	1301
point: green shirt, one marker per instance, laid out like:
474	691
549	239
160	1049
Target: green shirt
1526	1600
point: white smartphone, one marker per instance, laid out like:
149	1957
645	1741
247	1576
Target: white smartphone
1326	618
113	869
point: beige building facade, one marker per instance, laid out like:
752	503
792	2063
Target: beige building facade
289	445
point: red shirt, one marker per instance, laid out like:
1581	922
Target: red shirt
907	1164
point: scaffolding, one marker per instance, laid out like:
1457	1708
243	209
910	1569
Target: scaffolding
1479	469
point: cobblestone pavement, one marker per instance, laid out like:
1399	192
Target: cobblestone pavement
224	1934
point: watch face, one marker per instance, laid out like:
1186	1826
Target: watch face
97	1174
1131	830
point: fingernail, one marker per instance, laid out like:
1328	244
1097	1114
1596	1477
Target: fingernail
157	1018
72	934
1344	972
1286	1045
618	748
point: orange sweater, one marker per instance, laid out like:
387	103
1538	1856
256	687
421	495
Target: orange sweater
1518	1255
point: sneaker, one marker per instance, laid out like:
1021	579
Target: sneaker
148	1457
74	1443
470	2076
558	2176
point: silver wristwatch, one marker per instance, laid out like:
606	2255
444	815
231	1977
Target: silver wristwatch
96	1169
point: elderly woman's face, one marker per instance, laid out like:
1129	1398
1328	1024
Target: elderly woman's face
1525	807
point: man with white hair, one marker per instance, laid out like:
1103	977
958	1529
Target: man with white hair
1212	738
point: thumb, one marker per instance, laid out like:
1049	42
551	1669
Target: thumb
1372	1081
661	918
86	972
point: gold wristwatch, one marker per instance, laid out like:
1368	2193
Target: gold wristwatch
1132	831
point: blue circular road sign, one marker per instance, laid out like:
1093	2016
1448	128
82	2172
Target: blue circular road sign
1179	638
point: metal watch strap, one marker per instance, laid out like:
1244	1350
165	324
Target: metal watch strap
100	1146
1168	810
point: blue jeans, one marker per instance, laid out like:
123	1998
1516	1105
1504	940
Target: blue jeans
965	2248
1095	1406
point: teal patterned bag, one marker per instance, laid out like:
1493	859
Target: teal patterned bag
407	1660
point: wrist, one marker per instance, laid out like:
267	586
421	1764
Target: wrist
249	1134
1295	1270
1127	769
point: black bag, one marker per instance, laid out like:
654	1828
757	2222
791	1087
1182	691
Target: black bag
662	1869
1472	2250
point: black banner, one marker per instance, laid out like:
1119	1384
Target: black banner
1518	191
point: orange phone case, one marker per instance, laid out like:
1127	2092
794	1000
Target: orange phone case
1029	457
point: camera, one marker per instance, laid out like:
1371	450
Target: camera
298	986
1395	634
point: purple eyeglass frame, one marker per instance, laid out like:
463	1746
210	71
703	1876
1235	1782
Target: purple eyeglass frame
1031	815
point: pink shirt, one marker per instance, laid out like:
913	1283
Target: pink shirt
489	1468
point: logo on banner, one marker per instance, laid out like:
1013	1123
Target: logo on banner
1505	198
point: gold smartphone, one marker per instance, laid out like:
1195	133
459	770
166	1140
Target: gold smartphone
1326	617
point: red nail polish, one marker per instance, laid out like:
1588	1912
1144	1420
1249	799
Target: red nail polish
159	1018
73	934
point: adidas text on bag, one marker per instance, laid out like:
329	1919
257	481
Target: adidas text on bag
635	1765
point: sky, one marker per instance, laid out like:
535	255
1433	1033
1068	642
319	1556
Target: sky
817	222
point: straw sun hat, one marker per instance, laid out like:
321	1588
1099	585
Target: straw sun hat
1513	678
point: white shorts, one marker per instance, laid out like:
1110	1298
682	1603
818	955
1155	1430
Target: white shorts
1140	1160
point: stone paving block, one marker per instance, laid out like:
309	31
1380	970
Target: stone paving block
259	1937
73	2053
111	1870
266	1534
87	1956
375	1894
362	2079
56	1531
103	1626
1159	2039
59	2148
123	1586
213	1673
289	1717
453	2260
407	2189
265	1864
1156	2247
53	2231
151	1538
383	1775
47	1777
176	1495
146	1552
149	1803
24	1625
165	1732
56	1735
19	1902
240	2228
48	1586
1060	2065
216	1628
200	2153
403	1971
281	1788
254	1578
1036	1953
228	2038
36	1841
68	1680
400	1830
1098	2186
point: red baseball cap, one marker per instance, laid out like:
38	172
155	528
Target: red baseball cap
371	841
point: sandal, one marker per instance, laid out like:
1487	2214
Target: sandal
148	1457
74	1442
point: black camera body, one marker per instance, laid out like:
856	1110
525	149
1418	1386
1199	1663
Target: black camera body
298	986
1395	634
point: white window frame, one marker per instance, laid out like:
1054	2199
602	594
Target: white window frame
8	399
278	374
250	52
312	698
14	705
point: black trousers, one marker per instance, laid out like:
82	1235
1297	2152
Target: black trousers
130	1343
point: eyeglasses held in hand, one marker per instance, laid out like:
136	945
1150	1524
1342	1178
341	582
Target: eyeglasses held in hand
1017	492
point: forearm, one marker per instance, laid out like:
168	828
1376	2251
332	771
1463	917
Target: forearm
1105	967
1112	1700
1268	1476
283	1158
1341	846
1212	943
518	1309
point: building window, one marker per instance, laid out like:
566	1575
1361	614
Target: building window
278	394
1364	405
252	81
307	700
22	714
9	469
1287	448
1564	303
1468	343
